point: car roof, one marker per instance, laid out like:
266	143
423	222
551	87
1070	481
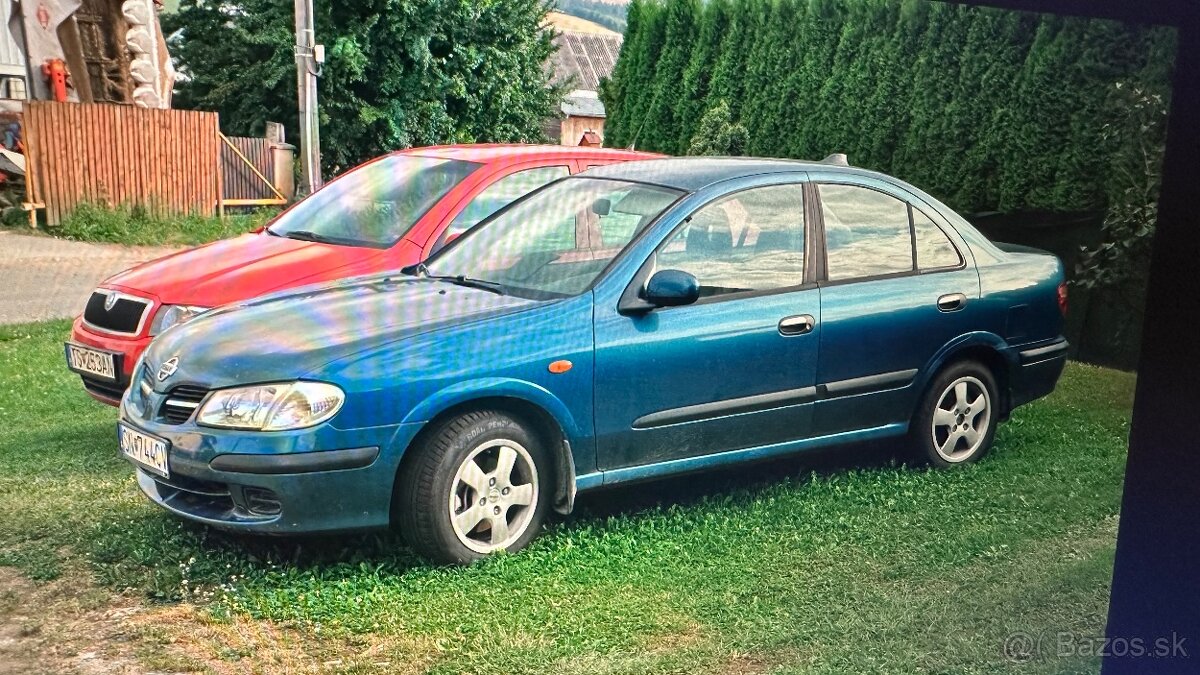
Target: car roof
694	173
486	153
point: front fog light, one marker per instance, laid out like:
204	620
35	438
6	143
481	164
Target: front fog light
272	407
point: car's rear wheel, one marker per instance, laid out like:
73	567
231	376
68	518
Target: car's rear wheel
956	421
477	484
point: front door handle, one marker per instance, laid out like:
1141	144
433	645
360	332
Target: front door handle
797	325
951	302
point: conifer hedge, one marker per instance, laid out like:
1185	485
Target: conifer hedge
990	110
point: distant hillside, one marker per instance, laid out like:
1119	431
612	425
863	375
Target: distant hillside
607	13
573	24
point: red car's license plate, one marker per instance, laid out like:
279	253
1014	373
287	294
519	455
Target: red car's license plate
92	362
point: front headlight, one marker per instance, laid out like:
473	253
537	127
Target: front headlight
272	407
173	315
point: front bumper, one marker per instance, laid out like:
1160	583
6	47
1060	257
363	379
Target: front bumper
130	349
312	481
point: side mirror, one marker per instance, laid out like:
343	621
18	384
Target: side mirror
671	288
451	237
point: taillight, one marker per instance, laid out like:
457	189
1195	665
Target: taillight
1062	298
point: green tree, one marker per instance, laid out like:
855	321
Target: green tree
821	28
729	72
618	105
719	134
409	73
1139	131
713	24
984	108
631	91
988	109
664	118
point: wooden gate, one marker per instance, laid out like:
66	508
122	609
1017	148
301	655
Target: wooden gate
248	172
165	160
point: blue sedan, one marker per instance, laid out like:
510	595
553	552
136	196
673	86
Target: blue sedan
634	321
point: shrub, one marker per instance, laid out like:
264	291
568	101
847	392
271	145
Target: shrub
138	225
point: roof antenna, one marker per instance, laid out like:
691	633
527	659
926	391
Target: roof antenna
642	123
836	159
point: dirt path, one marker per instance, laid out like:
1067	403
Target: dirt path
66	626
72	627
45	278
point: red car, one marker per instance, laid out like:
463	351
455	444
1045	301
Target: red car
385	214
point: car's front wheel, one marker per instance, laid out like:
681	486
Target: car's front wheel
477	484
957	417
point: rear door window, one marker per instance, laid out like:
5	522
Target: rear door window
867	233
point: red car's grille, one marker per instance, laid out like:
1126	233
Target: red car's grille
123	315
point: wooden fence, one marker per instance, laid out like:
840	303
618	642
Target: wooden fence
166	160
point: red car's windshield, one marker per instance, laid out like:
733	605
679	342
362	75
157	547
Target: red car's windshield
374	205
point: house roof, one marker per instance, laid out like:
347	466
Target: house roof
585	56
581	103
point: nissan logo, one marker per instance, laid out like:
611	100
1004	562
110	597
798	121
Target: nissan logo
168	368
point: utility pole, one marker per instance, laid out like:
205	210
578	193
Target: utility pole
309	57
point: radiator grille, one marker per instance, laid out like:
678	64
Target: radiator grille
124	316
181	403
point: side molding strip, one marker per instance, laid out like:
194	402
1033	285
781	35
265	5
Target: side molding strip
861	385
778	399
730	406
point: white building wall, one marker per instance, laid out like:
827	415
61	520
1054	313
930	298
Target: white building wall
12	60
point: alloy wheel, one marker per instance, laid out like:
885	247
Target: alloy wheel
493	496
961	419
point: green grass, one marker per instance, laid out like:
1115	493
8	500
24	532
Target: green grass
828	563
139	226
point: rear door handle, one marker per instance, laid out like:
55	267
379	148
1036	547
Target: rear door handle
797	325
951	302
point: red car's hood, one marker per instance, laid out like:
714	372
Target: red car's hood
248	266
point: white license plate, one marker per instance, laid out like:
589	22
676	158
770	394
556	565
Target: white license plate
91	361
145	450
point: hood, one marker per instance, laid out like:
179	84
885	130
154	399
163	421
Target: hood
287	336
243	267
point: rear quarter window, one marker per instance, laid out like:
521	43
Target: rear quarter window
934	249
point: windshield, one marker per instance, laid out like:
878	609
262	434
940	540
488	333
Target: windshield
375	204
557	241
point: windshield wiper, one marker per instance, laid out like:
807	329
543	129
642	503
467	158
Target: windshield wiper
469	282
422	270
305	235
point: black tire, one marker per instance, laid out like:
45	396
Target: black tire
932	445
421	504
